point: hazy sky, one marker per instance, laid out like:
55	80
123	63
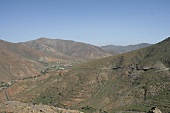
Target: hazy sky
98	22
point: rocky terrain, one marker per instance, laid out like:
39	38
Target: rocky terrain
19	107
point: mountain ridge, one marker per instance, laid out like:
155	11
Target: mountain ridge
123	49
68	47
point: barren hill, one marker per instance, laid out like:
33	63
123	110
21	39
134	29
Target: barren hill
16	61
65	49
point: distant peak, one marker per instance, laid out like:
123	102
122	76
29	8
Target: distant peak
41	38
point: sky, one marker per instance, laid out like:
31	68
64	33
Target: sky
97	22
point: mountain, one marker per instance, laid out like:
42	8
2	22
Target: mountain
128	82
26	59
123	49
67	50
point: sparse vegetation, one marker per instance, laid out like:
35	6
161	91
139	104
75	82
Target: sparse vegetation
133	81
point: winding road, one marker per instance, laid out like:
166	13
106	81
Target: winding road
7	95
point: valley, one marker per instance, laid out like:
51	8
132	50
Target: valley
85	77
20	60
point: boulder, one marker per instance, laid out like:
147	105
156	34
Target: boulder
154	110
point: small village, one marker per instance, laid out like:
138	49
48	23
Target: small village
4	85
57	66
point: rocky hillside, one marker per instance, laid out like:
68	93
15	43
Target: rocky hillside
123	49
65	49
17	61
129	82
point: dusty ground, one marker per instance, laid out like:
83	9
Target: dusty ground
19	107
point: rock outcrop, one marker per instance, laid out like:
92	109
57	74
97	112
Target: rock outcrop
154	110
